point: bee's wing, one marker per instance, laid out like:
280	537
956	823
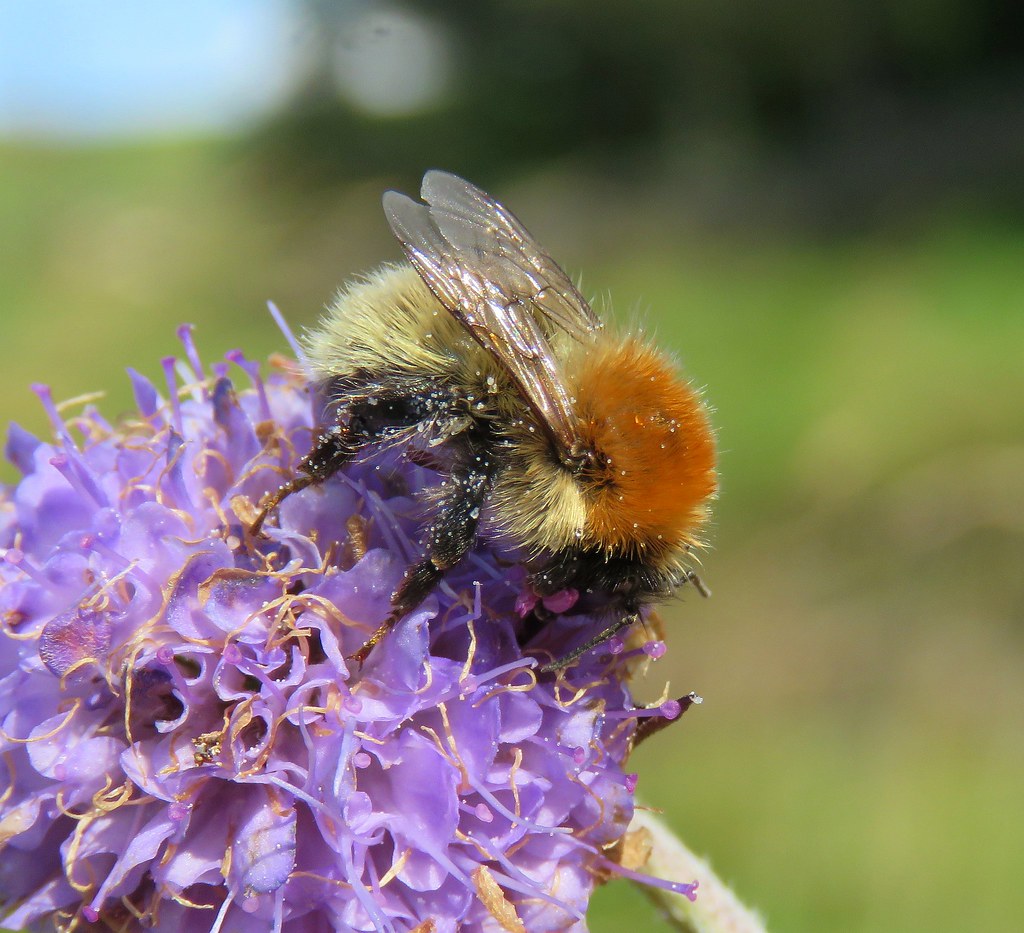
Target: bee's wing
487	270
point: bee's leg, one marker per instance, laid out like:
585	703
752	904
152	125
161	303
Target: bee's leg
332	450
451	537
617	626
698	584
371	411
628	618
419	580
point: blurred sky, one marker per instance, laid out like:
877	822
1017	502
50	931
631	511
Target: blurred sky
81	69
98	70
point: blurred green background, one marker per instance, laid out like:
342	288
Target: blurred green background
819	207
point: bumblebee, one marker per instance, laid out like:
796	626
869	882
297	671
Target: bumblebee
585	449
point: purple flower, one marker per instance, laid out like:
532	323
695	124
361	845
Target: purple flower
182	740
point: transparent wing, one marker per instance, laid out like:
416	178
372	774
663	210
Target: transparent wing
487	270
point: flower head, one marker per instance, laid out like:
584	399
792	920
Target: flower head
183	743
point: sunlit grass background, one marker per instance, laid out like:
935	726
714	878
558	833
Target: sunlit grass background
858	761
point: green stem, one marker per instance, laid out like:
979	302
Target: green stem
715	910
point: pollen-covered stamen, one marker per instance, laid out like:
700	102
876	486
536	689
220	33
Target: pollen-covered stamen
686	889
668	710
655	649
663	715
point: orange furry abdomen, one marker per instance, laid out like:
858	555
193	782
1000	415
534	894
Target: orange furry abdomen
655	469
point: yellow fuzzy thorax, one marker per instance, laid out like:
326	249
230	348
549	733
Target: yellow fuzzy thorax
646	492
